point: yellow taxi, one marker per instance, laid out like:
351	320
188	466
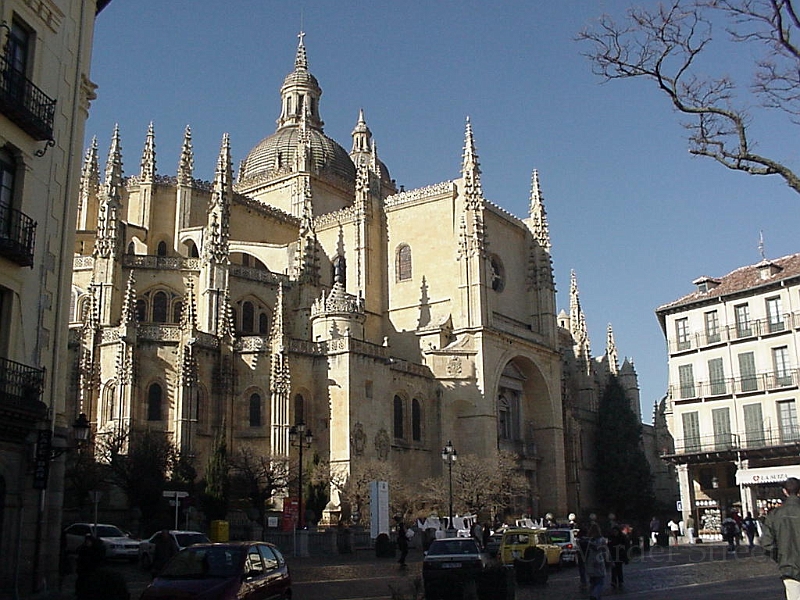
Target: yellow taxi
517	539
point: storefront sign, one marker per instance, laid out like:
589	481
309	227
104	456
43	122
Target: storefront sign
767	475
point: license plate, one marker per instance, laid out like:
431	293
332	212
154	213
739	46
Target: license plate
452	565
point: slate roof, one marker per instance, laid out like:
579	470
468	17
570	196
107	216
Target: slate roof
740	280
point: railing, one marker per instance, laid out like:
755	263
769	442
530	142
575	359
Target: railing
732	333
17	235
749	440
20	385
25	104
150	261
759	382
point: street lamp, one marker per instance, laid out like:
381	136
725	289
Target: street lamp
300	437
449	455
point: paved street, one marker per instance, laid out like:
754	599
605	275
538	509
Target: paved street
702	572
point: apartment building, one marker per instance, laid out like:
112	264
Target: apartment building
45	53
733	389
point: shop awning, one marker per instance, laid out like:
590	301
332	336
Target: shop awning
767	475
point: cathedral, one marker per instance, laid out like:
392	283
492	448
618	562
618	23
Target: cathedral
309	289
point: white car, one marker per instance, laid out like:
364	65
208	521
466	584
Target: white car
181	539
116	543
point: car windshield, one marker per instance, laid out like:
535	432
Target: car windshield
442	547
108	531
187	539
198	563
559	537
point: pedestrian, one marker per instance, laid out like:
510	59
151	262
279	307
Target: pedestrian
402	541
730	531
690	529
750	529
674	529
655	528
90	556
779	538
583	549
487	534
618	545
165	549
598	561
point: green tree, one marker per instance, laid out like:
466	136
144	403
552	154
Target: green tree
624	480
671	46
215	497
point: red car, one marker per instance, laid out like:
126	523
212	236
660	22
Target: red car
228	571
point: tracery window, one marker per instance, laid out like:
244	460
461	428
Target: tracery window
403	262
248	317
162	248
160	307
299	409
141	310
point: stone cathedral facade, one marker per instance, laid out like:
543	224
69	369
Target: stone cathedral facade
310	288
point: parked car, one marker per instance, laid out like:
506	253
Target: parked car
225	571
457	567
116	543
181	539
566	539
517	539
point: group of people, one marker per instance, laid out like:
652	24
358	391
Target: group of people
599	554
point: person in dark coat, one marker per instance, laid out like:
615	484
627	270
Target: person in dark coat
164	550
618	544
402	542
90	556
487	535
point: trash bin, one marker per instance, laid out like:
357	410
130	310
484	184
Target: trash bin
220	531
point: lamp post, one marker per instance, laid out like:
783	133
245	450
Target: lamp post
449	455
300	437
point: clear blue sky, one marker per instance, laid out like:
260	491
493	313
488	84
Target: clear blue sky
629	210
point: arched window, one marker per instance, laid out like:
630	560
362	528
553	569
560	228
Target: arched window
141	310
160	307
162	248
248	317
299	409
177	309
131	248
154	394
193	253
255	410
416	420
498	273
108	403
398	417
263	324
403	262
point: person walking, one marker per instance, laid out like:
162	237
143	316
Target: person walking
618	545
165	549
402	541
779	538
90	556
730	532
583	550
750	528
675	530
655	528
598	561
690	529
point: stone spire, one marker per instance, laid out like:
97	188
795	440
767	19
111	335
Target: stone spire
148	164
471	171
538	216
89	186
578	328
300	58
108	240
611	351
362	136
186	163
189	312
129	301
215	246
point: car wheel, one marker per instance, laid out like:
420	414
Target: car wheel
146	562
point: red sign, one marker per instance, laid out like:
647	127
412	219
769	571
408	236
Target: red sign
290	513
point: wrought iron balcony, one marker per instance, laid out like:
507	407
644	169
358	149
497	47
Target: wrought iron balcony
757	382
21	406
763	442
25	104
753	328
17	235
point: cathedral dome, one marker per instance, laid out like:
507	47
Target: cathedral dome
278	151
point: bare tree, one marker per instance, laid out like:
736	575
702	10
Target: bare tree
665	45
258	476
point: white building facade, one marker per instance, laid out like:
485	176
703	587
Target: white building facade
733	389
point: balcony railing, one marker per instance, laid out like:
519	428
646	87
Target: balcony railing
748	440
25	104
731	333
17	235
759	382
20	385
